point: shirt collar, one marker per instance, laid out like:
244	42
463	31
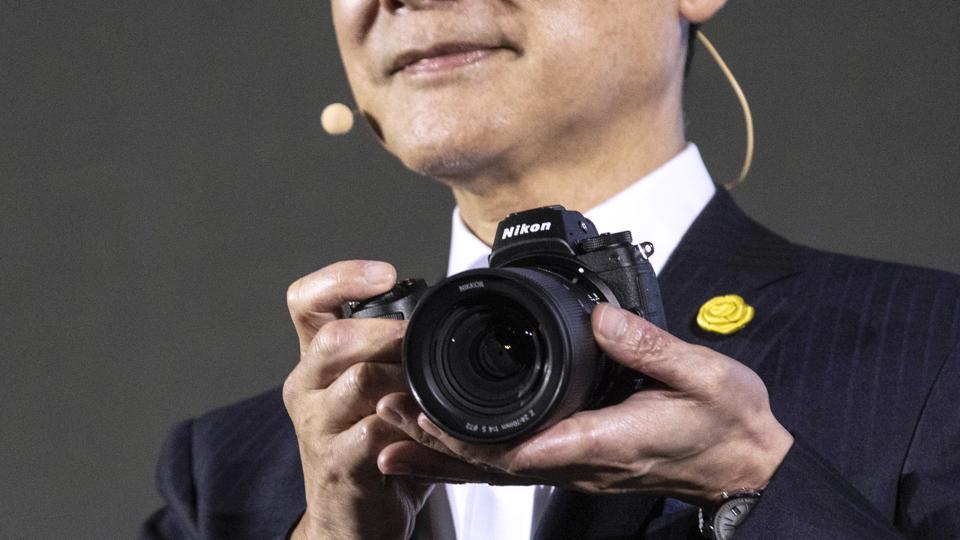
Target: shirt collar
658	208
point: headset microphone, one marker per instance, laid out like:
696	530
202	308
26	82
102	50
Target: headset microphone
747	115
337	119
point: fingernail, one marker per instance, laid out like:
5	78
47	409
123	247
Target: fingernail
398	468
390	415
428	426
378	273
613	322
387	467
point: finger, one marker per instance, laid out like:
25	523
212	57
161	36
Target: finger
558	456
316	298
641	346
495	456
354	395
567	446
361	444
413	459
402	411
342	343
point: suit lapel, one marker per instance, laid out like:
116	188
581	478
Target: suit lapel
723	252
435	520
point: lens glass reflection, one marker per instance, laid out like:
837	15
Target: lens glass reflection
492	356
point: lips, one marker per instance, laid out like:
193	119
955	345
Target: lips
441	56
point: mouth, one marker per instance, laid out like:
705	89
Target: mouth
442	57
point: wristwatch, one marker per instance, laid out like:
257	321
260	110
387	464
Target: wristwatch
722	522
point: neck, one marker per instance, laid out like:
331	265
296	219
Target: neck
578	180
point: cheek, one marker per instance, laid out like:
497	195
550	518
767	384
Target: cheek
352	21
572	51
352	18
589	51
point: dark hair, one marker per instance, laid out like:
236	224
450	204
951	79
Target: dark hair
691	45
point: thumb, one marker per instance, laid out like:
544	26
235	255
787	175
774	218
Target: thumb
641	346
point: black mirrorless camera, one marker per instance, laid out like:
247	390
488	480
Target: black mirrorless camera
496	354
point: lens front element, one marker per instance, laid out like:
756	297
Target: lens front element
505	351
489	357
494	354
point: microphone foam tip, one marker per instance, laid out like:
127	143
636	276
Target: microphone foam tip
336	119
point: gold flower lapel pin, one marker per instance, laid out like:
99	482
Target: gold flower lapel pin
725	314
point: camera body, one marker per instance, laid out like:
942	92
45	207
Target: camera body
573	248
496	354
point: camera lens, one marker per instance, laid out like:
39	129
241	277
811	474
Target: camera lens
504	352
490	355
496	354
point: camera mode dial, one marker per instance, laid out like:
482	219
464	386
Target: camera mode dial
605	240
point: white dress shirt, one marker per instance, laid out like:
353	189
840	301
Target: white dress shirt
658	208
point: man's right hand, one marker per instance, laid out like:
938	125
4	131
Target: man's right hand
346	366
350	371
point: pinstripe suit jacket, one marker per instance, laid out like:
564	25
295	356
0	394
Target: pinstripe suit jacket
860	358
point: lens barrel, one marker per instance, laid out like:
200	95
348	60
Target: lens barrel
497	354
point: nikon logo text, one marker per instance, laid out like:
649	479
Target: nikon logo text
525	228
471	285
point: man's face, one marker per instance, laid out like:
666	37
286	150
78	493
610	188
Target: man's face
459	86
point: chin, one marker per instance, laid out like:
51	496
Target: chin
461	156
449	164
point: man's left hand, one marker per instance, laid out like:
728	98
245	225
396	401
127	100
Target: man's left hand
704	427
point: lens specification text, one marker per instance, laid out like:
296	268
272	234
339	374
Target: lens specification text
506	426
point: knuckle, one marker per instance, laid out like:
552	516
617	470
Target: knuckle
338	276
370	434
719	372
319	283
330	338
366	431
293	294
715	376
290	391
645	340
297	305
309	425
357	379
341	273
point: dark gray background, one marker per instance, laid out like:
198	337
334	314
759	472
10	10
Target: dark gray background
163	177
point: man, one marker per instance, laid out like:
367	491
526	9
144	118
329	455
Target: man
830	414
